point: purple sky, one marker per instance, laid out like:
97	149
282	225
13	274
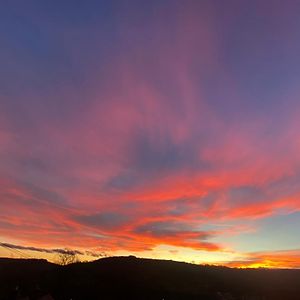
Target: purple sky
164	129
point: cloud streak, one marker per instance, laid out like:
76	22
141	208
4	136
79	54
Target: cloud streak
50	251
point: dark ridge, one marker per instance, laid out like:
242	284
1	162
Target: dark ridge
136	278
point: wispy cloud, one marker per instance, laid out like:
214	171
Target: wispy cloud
130	127
51	251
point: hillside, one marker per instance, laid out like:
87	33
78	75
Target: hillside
134	278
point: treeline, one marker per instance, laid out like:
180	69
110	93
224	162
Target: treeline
133	278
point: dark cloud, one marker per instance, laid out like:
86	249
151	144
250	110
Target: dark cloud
43	250
95	254
33	194
45	194
106	220
123	181
178	207
151	159
53	251
183	206
245	194
171	229
150	156
285	186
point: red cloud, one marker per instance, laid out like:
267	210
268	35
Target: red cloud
158	131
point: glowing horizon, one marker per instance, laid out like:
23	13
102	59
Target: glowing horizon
167	129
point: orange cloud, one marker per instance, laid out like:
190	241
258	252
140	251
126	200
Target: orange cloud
276	259
149	144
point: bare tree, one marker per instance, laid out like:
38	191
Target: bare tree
66	257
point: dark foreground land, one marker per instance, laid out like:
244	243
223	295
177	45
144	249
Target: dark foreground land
133	278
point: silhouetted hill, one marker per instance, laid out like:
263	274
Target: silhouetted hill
134	278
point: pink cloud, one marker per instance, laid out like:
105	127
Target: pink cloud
161	137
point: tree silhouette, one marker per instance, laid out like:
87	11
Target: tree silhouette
66	257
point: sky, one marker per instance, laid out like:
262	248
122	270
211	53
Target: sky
162	129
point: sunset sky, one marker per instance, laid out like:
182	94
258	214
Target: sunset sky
163	129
